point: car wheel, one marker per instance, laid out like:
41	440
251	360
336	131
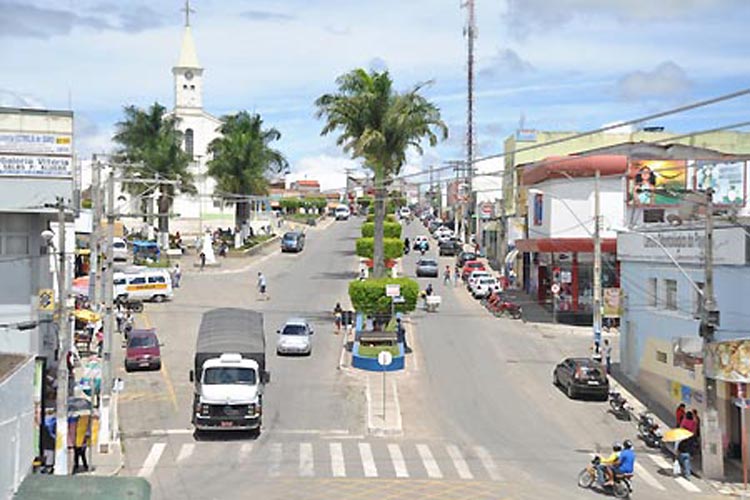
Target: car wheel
555	380
127	368
158	298
571	391
157	366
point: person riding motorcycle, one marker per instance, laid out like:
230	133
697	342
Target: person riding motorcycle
624	464
605	463
406	246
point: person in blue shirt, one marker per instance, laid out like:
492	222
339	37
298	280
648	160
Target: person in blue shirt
624	464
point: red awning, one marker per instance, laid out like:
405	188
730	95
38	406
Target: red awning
556	167
559	245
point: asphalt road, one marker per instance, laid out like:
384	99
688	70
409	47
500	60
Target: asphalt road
480	416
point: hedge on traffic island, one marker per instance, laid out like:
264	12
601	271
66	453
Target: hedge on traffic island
388	218
368	296
393	248
390	230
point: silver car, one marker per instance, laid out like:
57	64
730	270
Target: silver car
294	337
427	268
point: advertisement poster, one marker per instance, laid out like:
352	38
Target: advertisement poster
656	182
727	179
729	361
36	166
611	299
35	143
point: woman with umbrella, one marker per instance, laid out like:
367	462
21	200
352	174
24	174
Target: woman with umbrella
684	442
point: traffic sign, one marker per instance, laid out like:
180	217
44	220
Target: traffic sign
392	290
555	288
385	358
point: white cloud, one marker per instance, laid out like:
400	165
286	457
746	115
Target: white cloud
506	63
329	171
666	81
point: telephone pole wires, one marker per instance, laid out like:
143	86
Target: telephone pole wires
64	345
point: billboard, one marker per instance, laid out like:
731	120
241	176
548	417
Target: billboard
36	143
656	182
728	361
727	179
36	166
612	299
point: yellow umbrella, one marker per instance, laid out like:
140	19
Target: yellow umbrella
676	435
86	315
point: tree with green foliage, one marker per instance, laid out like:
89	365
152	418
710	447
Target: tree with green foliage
379	125
369	296
150	145
393	248
390	230
242	159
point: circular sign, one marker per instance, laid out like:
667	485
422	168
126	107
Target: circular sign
385	358
555	288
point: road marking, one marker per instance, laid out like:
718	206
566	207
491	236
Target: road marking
687	485
168	432
458	461
337	460
396	404
306	464
646	476
488	463
311	431
397	458
245	450
430	465
368	462
164	371
274	462
152	459
186	450
660	461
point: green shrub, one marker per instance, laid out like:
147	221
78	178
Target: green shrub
393	248
390	230
372	351
369	297
388	218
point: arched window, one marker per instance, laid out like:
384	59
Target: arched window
189	142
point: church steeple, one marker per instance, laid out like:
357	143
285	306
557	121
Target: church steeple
188	74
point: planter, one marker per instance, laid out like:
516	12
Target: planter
371	364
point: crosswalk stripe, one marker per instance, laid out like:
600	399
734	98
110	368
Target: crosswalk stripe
642	473
186	450
306	464
458	461
397	458
337	460
430	465
687	485
152	459
274	461
368	462
488	463
245	450
660	461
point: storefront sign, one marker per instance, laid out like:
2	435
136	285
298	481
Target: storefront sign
685	245
611	301
656	182
35	166
34	143
726	179
729	361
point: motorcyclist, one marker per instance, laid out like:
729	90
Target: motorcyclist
624	464
428	290
406	246
605	463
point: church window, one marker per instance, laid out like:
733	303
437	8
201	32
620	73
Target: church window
192	87
184	86
189	142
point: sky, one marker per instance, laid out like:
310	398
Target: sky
568	65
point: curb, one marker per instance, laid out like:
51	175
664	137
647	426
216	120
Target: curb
257	248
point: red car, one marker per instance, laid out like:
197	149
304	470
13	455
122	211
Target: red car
469	266
143	350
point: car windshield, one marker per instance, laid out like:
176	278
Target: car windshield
294	330
223	375
427	263
290	237
142	341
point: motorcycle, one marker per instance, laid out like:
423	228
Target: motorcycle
622	487
501	307
648	430
131	305
619	406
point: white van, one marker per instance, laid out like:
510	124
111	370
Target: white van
149	284
119	250
342	212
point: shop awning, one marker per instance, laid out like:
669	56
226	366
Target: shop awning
558	245
86	315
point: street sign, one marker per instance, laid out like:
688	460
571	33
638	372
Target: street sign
392	290
46	299
555	288
385	358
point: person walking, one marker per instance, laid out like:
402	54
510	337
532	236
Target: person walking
401	333
176	276
81	441
608	356
337	315
697	427
447	275
679	414
685	450
688	423
262	286
203	260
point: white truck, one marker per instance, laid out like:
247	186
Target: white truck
229	374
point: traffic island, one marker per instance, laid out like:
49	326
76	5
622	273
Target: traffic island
365	352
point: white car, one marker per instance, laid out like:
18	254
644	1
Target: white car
483	287
295	337
342	212
445	236
442	230
404	213
474	277
119	250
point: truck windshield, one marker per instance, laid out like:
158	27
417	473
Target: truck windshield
221	375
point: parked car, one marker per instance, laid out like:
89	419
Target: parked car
442	231
427	268
449	247
294	337
581	376
434	224
119	250
142	350
474	276
469	266
484	286
404	212
418	241
293	241
464	256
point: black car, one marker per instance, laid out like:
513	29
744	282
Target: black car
449	247
581	377
293	241
464	257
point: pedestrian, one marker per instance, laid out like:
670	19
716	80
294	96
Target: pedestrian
338	315
456	275
679	414
688	423
262	286
203	259
685	450
80	443
447	275
596	352
697	426
608	356
362	274
177	276
401	333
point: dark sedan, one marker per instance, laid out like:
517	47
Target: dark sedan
427	268
581	377
449	247
464	257
293	242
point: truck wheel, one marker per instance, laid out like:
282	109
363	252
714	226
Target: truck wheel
158	298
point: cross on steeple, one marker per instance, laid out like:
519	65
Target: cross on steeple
187	10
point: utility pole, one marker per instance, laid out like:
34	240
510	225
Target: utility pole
711	439
64	343
432	192
107	425
470	35
95	246
597	261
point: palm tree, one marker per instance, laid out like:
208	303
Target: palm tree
242	157
151	147
377	124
